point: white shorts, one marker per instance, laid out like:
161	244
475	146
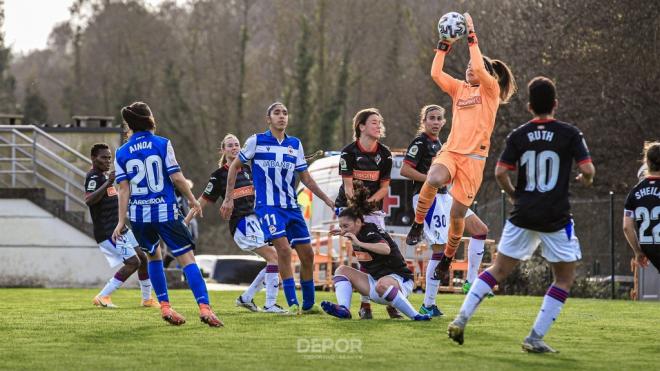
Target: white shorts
377	217
436	224
405	288
520	243
248	235
122	250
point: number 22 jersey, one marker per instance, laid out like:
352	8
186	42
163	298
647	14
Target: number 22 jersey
147	161
543	152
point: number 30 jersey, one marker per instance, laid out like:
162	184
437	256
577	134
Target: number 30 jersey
543	151
147	161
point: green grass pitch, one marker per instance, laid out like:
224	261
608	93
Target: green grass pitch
60	329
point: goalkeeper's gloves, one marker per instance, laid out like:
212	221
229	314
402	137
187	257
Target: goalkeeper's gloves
444	45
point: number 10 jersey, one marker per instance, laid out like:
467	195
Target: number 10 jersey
147	161
543	152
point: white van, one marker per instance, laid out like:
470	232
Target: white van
397	205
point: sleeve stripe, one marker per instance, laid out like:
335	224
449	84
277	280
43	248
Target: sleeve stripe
412	164
584	161
506	165
207	198
242	157
385	179
347	176
120	177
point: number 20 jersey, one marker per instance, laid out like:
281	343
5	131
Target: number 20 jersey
147	161
543	151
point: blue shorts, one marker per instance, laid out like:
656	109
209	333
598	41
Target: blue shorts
174	233
277	222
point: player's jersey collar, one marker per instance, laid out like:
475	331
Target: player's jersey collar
431	137
365	150
270	134
139	135
542	121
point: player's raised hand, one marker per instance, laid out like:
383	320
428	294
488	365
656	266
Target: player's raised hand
111	177
227	208
468	22
117	233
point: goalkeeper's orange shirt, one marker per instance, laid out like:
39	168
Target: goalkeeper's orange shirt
473	107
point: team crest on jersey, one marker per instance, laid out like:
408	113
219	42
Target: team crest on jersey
272	229
91	186
377	159
413	150
342	164
290	149
209	187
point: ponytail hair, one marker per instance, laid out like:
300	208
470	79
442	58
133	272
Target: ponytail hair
223	159
424	112
504	77
358	206
652	156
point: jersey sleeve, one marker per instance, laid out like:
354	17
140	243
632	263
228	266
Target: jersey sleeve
580	150
509	156
371	235
120	172
414	153
213	189
386	168
171	166
92	183
301	163
346	164
249	148
629	205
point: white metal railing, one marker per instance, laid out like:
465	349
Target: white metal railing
30	157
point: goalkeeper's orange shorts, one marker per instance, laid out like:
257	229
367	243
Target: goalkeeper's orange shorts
467	173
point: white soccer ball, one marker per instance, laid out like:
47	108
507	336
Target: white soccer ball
452	26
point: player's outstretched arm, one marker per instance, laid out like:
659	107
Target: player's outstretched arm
191	214
411	173
476	58
309	182
228	203
123	194
630	231
587	173
181	183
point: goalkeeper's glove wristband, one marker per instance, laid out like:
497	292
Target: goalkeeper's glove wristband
472	39
444	46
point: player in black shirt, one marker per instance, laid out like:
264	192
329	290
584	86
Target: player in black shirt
244	226
370	162
641	218
101	197
387	279
416	164
543	150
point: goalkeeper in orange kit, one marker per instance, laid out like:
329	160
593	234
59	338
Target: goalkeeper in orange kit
488	83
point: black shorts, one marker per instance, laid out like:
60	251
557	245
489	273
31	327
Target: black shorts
653	253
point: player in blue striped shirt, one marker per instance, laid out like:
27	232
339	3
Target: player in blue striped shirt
147	172
276	158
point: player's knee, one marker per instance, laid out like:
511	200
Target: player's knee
132	263
381	287
481	229
341	271
306	255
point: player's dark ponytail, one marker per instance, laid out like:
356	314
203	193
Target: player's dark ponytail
358	206
652	156
504	77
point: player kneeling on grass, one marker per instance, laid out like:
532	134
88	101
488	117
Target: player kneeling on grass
244	225
147	172
387	280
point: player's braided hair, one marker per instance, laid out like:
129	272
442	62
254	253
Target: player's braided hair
652	156
424	112
358	206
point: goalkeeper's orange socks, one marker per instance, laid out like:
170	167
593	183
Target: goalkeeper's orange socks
456	227
426	198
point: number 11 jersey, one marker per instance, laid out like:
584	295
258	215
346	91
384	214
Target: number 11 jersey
147	161
543	151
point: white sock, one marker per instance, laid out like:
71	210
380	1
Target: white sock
431	285
398	301
111	286
553	301
272	284
475	254
343	290
480	288
145	287
255	286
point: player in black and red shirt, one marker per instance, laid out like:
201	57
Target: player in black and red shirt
543	151
244	226
416	165
101	198
369	161
641	218
385	278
